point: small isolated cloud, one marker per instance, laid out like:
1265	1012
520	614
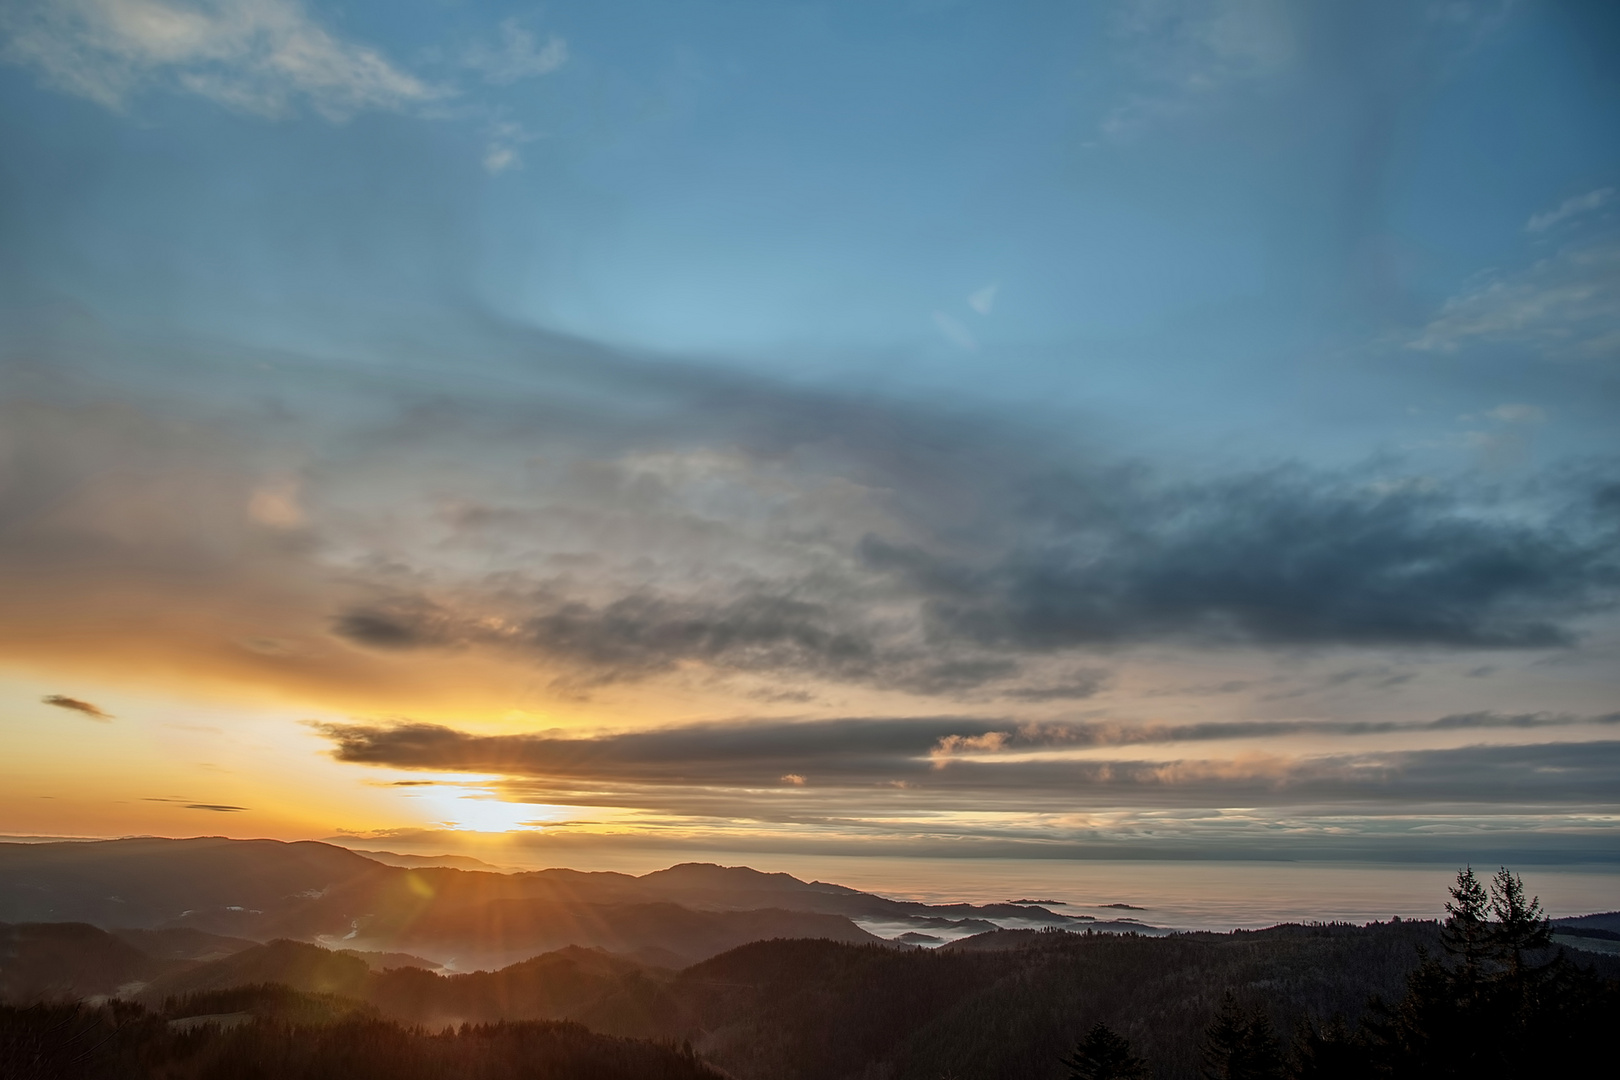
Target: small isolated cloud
1518	414
502	151
257	56
951	746
955	332
518	56
499	158
274	504
216	807
793	779
62	701
1572	207
984	300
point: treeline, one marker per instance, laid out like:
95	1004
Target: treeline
332	1041
1494	1003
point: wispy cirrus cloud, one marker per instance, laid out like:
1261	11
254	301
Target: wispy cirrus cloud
1572	207
62	701
1567	305
520	55
257	56
1186	53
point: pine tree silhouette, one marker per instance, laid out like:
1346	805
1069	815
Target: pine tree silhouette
1504	1007
1466	933
1240	1045
1104	1054
1519	925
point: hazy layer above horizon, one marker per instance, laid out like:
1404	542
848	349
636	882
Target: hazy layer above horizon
1137	431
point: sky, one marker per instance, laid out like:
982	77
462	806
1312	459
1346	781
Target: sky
1098	429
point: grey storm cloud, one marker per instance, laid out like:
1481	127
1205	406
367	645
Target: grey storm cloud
1008	543
1284	557
712	765
645	634
1003	546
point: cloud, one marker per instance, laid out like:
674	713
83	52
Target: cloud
1571	207
1184	53
1283	556
519	55
1567	305
956	786
866	754
764	630
257	56
618	522
218	808
1518	414
274	504
950	746
62	701
984	300
956	333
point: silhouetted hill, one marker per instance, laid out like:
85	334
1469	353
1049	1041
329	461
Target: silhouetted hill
221	885
501	931
455	862
130	1043
387	961
69	961
183	944
556	985
1608	920
997	940
569	983
303	967
263	890
764	1011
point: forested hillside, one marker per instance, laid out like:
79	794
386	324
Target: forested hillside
1332	1000
312	1041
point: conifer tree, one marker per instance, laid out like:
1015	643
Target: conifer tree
1104	1054
1518	925
1466	933
1240	1045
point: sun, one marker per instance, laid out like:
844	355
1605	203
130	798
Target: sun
480	810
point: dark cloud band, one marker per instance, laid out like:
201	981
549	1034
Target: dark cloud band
714	768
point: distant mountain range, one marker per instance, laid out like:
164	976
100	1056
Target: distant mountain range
260	890
753	970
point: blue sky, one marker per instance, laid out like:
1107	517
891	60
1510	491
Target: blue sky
996	370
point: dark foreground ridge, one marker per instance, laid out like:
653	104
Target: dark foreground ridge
1009	1004
269	1033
